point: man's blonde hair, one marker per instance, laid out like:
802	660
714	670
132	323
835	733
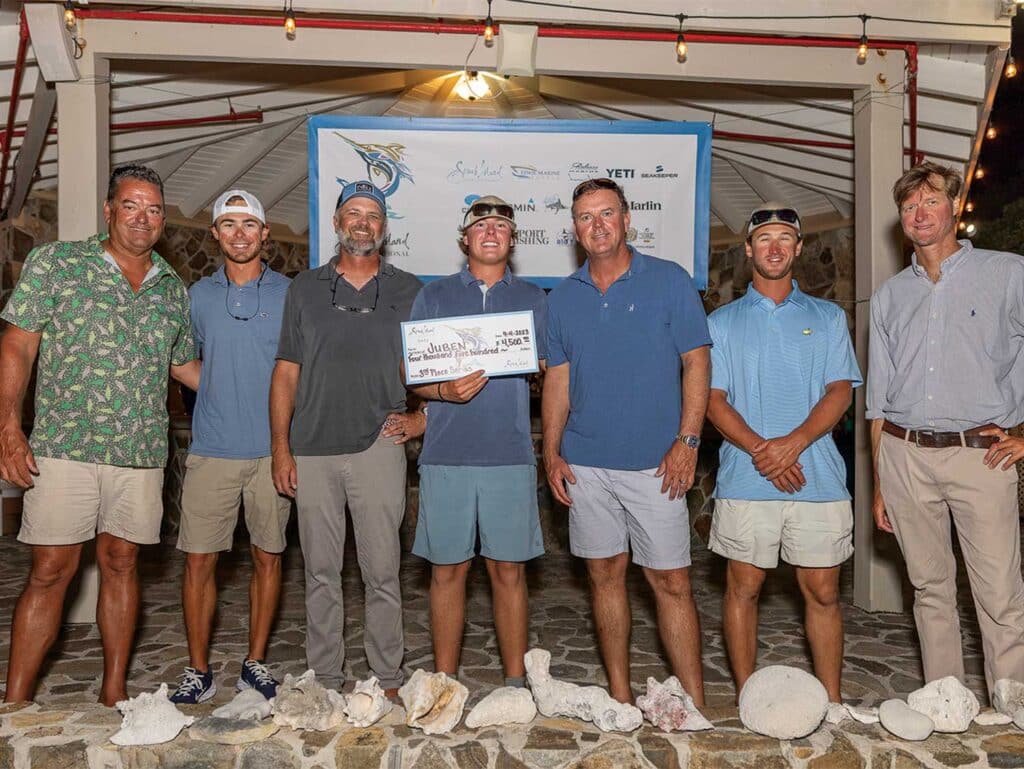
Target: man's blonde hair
949	181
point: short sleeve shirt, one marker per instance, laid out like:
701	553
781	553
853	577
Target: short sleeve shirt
104	355
773	363
236	329
350	378
623	348
493	428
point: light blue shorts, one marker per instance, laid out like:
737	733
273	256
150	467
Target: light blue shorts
458	502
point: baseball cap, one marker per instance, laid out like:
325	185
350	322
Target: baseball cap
773	212
488	207
361	190
251	205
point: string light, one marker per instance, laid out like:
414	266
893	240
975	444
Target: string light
289	21
681	41
862	49
991	132
962	226
971	229
70	19
489	27
969	208
1011	68
979	173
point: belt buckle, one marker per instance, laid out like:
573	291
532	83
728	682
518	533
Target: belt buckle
919	433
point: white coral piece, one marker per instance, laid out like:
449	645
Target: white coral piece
433	702
669	707
506	705
948	703
149	719
588	703
304	703
248	705
367	704
1008	696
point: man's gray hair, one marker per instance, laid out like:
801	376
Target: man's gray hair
133	171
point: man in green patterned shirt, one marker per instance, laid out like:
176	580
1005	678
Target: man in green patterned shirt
107	317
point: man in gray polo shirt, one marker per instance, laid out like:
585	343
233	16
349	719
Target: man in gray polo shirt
338	418
236	322
478	474
944	383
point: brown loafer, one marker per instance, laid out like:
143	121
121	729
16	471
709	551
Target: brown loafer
392	694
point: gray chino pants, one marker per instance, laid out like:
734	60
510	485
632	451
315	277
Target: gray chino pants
372	483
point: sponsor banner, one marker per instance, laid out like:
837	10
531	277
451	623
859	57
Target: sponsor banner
432	170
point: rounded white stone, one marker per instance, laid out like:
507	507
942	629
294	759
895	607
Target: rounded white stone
903	722
782	702
948	703
507	705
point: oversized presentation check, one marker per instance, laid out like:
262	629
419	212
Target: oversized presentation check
500	343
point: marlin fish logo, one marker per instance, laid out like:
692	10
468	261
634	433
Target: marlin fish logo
471	337
382	160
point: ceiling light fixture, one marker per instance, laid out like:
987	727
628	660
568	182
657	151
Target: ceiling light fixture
681	49
489	27
472	86
862	49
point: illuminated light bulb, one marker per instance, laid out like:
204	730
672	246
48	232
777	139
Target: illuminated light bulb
862	50
962	226
489	32
70	20
969	208
979	173
990	133
681	48
970	229
471	86
289	24
1011	68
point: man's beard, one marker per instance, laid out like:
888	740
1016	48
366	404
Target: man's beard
360	247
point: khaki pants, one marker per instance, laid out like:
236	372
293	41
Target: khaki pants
922	489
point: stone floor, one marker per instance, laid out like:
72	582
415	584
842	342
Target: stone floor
64	729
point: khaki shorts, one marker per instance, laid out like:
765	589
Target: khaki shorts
210	496
72	502
810	534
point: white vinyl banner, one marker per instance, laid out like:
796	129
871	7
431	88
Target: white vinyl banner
431	171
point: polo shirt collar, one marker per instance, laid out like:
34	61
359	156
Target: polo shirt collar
948	264
329	270
469	279
96	249
637	263
796	296
221	275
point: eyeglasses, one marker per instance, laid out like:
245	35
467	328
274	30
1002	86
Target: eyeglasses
227	297
786	215
594	184
483	210
360	310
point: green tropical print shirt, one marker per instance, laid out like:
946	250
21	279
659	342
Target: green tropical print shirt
105	353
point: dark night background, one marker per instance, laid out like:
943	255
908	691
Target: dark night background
998	198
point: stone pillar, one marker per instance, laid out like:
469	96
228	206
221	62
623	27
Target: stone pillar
878	162
83	165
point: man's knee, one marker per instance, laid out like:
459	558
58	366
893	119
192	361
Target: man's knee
116	556
820	587
605	573
264	562
448	575
200	565
53	568
508	575
743	581
670	583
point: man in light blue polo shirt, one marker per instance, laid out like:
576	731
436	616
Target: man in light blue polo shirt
621	431
782	375
236	319
478	474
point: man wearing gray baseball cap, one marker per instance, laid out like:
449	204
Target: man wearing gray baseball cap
236	320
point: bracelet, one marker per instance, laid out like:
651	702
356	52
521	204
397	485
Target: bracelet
440	397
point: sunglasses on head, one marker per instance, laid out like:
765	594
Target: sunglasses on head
483	210
785	215
591	184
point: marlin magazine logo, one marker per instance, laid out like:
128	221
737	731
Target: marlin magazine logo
384	162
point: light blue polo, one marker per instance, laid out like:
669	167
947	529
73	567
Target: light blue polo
773	362
232	414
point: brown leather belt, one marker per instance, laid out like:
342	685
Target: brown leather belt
930	439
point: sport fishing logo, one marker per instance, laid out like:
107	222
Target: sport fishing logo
382	160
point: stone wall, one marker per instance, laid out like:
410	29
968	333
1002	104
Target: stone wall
825	269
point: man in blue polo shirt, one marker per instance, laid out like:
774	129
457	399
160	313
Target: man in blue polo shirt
620	431
236	319
478	474
783	373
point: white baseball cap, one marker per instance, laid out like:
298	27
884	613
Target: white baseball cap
251	206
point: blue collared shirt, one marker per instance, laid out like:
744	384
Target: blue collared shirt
773	363
623	348
949	355
232	416
493	428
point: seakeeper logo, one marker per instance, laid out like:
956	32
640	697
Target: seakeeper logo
659	173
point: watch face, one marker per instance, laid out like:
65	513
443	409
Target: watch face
692	441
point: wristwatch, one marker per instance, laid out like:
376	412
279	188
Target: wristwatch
690	441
